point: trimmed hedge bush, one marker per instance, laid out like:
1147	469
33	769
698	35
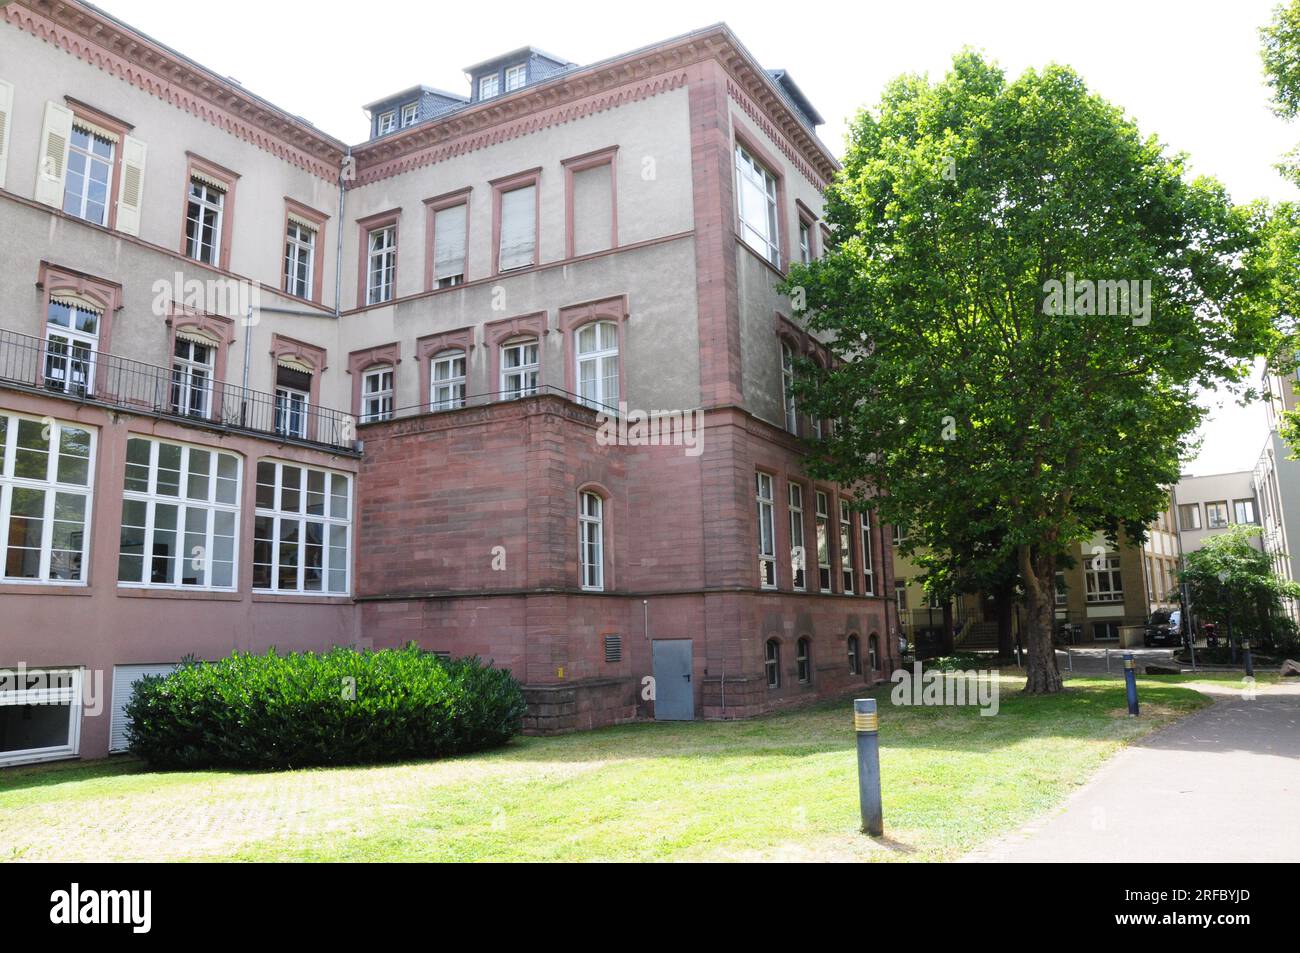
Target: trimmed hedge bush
341	707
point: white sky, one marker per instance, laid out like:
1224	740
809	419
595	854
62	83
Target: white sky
1188	71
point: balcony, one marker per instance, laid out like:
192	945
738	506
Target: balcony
78	373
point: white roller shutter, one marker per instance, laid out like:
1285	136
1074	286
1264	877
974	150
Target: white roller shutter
52	165
518	228
449	242
6	113
130	196
124	679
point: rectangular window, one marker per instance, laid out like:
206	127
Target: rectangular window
386	123
192	364
203	221
516	76
1216	514
299	259
805	242
766	533
381	264
489	86
823	518
847	570
40	715
1243	511
1189	516
90	175
302	529
292	402
900	598
1102	578
520	365
449	235
377	394
756	191
518	245
410	113
868	570
45	498
798	554
71	339
447	380
787	389
1062	590
180	517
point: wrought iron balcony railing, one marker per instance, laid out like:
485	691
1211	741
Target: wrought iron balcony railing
69	369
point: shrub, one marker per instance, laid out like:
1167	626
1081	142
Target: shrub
341	707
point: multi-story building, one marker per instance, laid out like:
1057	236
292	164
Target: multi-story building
1276	481
1210	504
510	378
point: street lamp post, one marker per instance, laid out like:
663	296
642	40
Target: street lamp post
1227	603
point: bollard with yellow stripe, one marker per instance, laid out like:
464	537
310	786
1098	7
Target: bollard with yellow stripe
866	725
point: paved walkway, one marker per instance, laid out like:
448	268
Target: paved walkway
1220	785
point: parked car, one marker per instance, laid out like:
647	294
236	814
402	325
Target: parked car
1163	628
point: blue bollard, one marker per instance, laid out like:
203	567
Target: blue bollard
1131	683
867	725
1245	654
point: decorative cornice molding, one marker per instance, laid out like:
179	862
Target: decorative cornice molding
818	175
102	42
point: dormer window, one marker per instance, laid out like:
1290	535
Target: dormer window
489	86
386	123
410	113
516	76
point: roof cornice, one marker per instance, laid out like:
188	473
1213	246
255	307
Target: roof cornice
98	39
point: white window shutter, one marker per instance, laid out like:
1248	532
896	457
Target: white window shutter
6	114
449	241
131	195
518	228
52	166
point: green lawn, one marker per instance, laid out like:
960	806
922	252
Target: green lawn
780	787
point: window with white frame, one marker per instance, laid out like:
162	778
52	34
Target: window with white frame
873	652
805	242
299	259
203	217
823	521
803	659
71	339
855	663
772	663
192	369
302	529
447	380
410	113
847	570
381	263
597	364
180	516
1102	578
89	177
489	86
449	245
756	189
45	498
386	123
520	367
40	715
516	76
868	570
518	245
766	532
798	549
377	394
787	389
292	402
592	541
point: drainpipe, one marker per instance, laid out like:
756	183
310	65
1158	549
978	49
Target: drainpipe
248	353
338	244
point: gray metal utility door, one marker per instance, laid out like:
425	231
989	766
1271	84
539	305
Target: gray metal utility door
674	693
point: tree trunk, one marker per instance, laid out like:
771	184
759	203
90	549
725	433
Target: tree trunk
1039	577
1002	606
947	628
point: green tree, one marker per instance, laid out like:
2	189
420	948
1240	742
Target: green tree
1229	577
1280	50
991	386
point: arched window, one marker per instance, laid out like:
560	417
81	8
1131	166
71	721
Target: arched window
597	364
787	389
520	366
873	652
447	380
855	664
591	547
803	659
772	663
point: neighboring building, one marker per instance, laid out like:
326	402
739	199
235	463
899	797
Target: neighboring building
1210	504
1277	483
415	451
